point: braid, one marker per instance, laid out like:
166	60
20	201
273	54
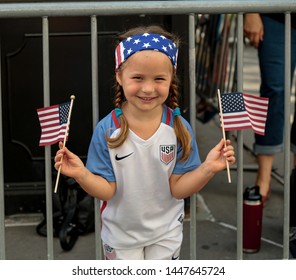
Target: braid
182	133
119	96
120	138
183	137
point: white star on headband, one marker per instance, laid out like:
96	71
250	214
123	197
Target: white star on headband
146	45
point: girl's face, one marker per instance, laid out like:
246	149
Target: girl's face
146	78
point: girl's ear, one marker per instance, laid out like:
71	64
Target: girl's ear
118	78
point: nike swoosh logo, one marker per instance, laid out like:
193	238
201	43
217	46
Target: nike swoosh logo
175	258
123	157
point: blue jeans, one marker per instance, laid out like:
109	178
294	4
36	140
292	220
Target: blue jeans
271	62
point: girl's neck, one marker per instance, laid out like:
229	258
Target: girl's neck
144	124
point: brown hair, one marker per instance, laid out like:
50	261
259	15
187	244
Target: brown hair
181	131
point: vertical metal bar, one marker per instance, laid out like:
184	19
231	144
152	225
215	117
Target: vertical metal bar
48	171
95	110
2	199
192	98
287	135
240	55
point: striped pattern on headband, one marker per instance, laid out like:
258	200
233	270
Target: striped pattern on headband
142	42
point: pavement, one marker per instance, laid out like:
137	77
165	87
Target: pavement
216	207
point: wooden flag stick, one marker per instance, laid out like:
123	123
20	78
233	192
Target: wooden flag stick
64	143
223	132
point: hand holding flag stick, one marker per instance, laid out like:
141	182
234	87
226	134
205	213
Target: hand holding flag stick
223	132
64	142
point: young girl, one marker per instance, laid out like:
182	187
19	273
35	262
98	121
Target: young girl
143	158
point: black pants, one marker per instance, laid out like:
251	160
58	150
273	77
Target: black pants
293	198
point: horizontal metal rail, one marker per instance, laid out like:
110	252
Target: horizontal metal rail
143	7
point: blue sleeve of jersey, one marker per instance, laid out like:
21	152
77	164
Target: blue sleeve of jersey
193	161
98	158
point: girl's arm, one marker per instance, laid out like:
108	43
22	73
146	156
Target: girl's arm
185	185
72	166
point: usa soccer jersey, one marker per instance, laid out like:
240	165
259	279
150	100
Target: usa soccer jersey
143	210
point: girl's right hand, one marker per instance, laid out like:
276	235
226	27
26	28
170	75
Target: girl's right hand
71	165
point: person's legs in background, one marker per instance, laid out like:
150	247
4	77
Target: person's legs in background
264	175
271	62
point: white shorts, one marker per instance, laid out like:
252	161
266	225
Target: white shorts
165	249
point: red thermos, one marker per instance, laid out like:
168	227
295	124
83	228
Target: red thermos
252	219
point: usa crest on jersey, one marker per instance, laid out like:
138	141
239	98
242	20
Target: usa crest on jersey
167	153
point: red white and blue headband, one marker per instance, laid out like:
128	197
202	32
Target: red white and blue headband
142	42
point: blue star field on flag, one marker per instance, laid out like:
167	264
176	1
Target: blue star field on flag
233	103
64	112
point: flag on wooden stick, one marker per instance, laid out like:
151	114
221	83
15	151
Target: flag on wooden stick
53	121
244	111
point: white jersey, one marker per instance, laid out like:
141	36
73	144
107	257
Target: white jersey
143	210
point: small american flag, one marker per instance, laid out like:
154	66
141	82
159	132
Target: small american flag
53	122
244	111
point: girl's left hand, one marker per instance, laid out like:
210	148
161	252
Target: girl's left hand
218	156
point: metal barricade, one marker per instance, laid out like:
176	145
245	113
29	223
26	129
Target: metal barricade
190	8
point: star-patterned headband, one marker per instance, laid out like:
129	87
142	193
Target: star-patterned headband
142	42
